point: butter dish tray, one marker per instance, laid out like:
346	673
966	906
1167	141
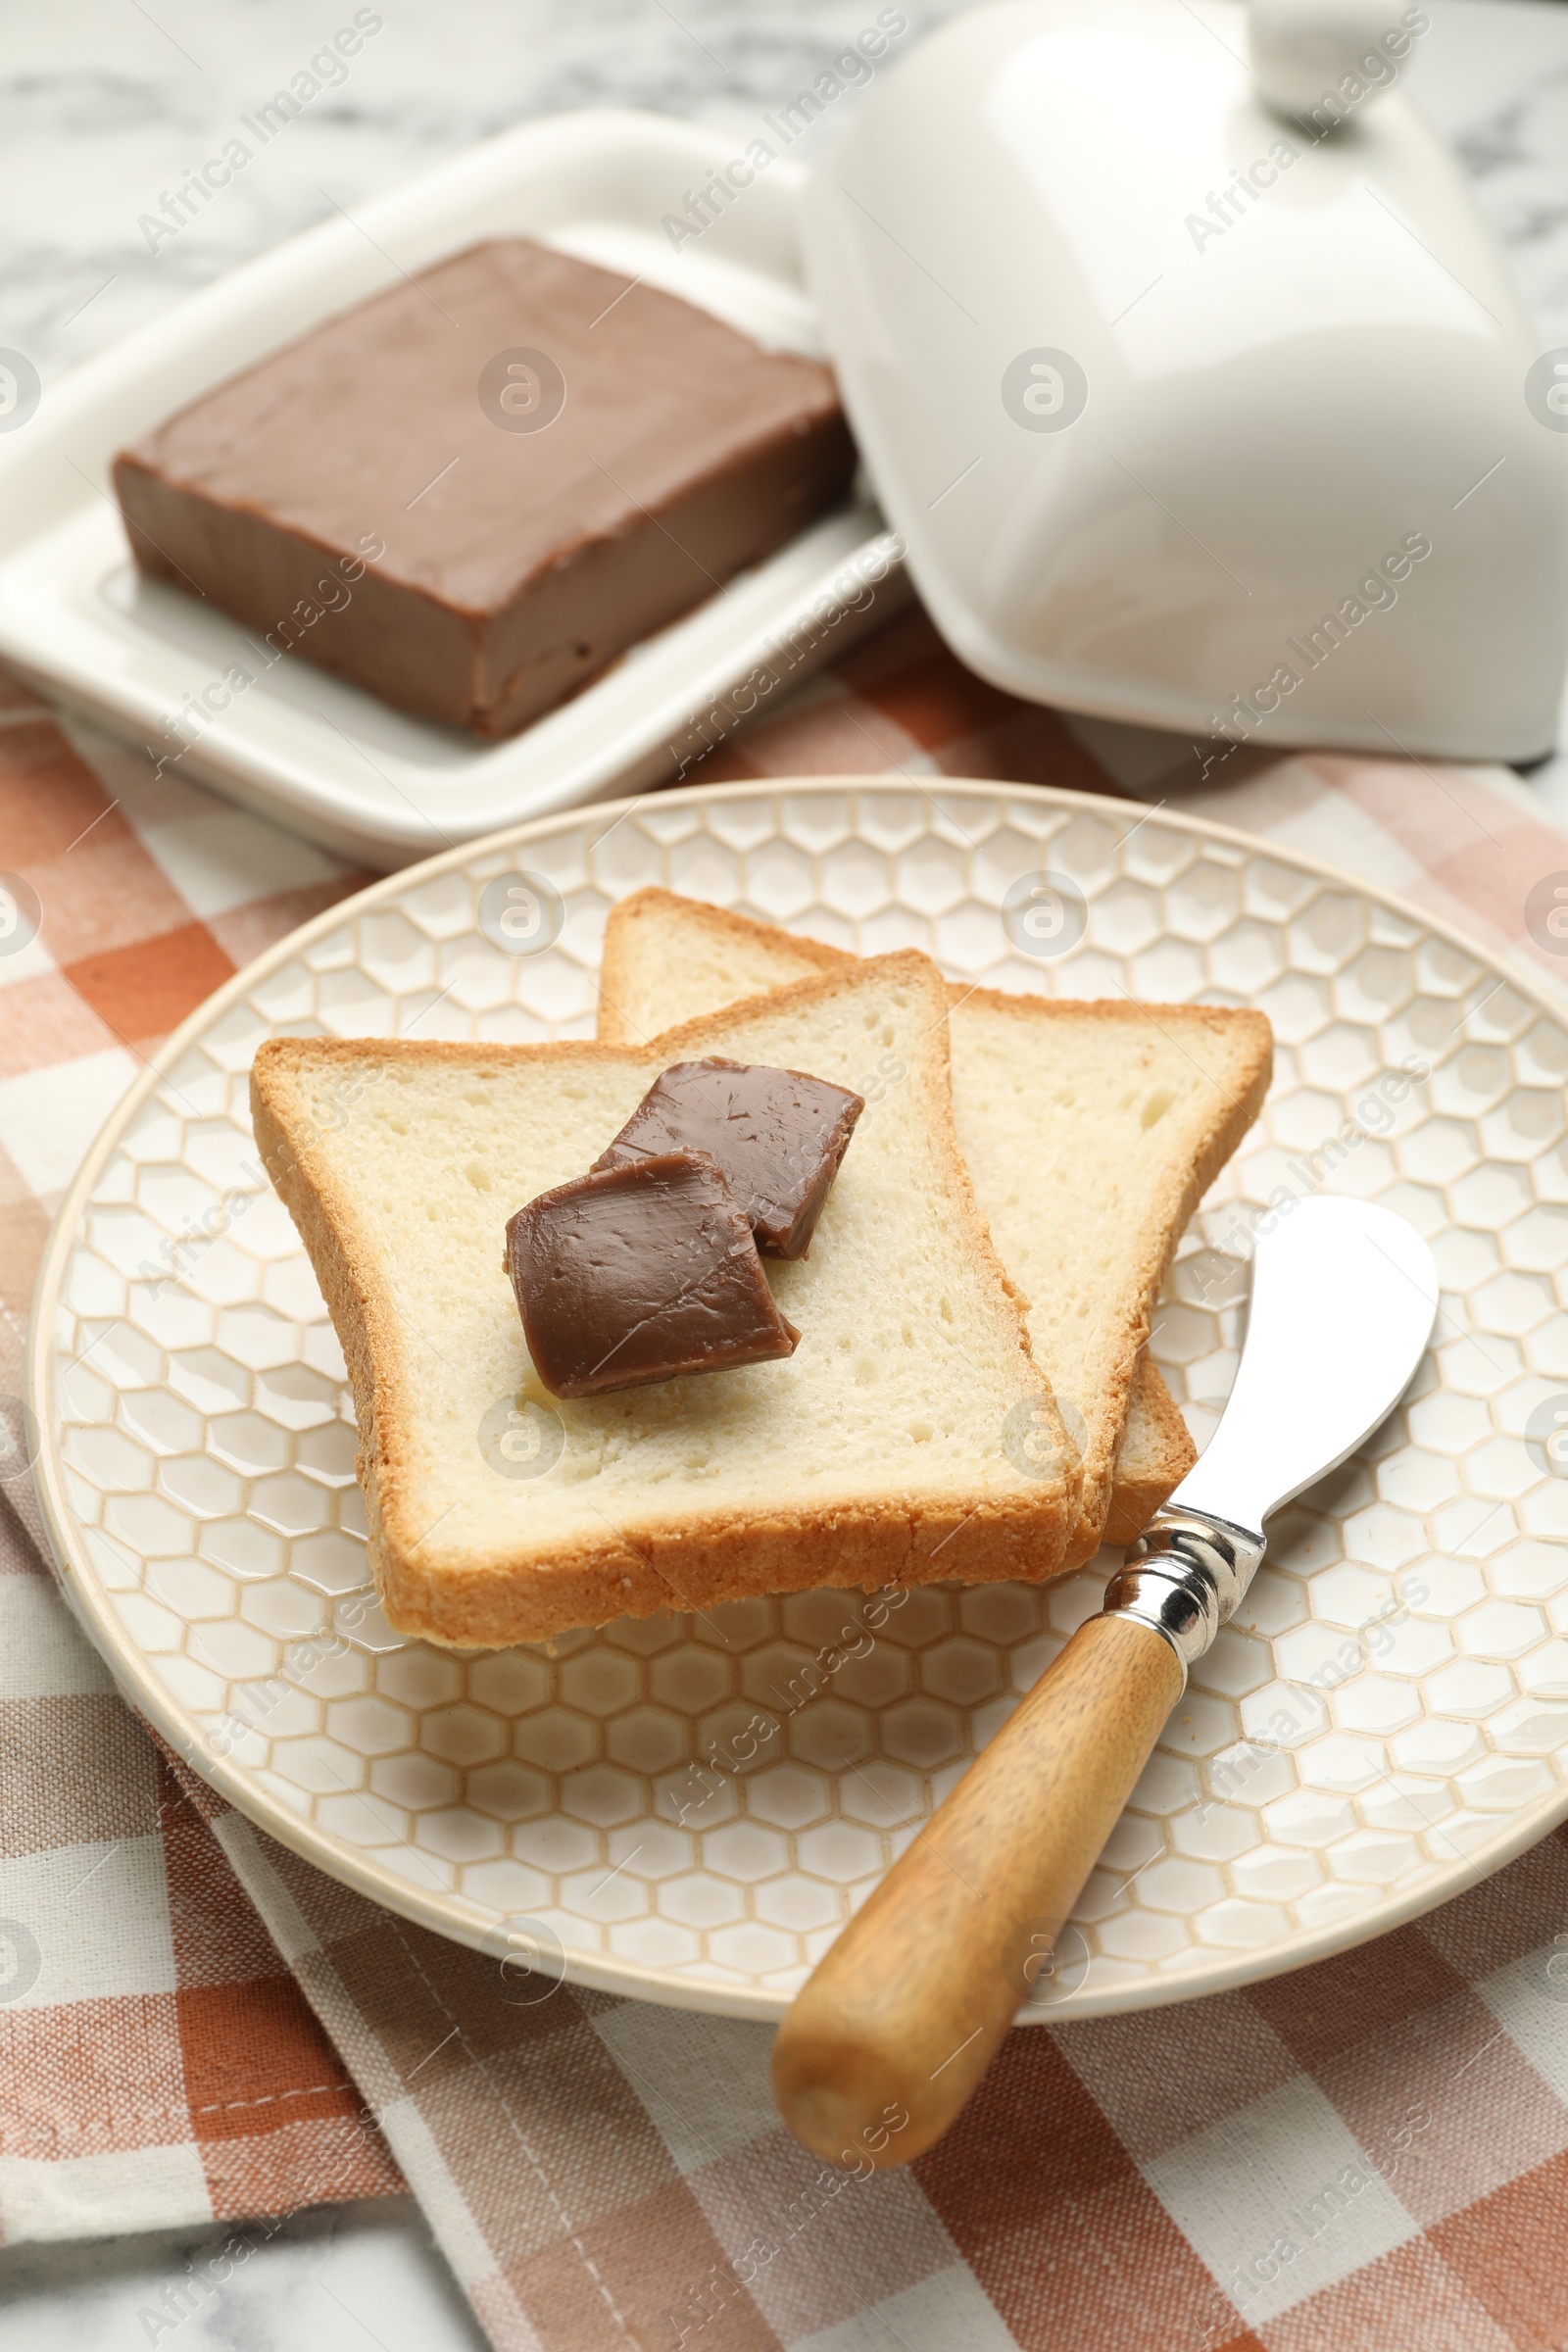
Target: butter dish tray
285	738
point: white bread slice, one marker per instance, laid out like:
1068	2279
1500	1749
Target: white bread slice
1086	1211
669	958
1091	1131
878	1452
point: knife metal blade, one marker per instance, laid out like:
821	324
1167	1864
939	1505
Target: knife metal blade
1345	1295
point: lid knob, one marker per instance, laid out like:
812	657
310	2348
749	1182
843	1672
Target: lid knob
1324	56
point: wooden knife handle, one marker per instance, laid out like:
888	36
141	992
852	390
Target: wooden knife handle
907	2010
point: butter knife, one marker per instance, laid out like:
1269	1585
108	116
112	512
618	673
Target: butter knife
889	2036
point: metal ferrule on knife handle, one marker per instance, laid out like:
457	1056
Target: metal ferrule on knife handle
1185	1577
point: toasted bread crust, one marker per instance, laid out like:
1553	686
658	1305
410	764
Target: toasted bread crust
1147	1473
657	1559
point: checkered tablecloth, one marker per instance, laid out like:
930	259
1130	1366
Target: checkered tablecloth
195	2027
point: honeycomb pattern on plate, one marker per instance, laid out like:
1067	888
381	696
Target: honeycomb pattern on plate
694	1805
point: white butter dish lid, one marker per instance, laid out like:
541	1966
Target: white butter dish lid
1195	411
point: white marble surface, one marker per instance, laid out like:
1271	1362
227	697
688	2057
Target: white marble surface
87	147
338	2279
102	107
107	102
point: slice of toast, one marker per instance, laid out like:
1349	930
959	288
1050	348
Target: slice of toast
1153	1456
1091	1131
884	1450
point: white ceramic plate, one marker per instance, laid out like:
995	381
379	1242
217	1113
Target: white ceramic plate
1387	1724
334	763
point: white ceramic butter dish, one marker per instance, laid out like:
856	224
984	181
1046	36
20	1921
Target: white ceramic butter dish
321	756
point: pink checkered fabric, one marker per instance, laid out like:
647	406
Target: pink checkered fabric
1368	2156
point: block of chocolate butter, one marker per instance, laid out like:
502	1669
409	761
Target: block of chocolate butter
473	491
641	1273
778	1136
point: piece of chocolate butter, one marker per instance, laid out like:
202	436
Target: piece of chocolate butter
640	1273
473	491
778	1136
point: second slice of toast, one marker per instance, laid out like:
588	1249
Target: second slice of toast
884	1450
1091	1131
